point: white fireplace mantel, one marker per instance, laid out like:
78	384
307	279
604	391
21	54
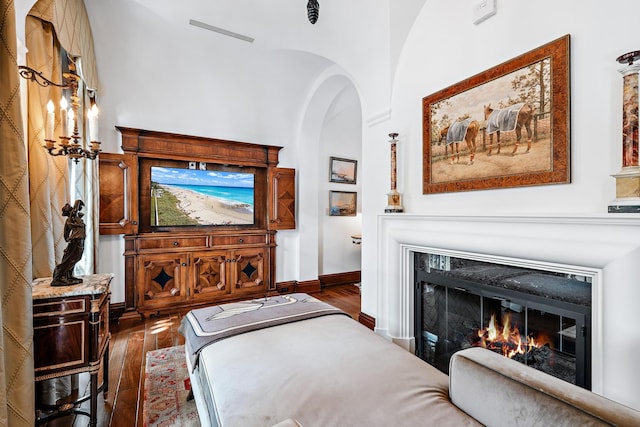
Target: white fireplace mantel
605	247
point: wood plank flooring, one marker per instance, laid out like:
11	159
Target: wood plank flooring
131	339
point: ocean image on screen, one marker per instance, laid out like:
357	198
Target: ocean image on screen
183	197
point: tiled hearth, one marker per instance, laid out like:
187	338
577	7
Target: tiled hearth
605	248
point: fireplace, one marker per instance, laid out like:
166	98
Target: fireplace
605	247
539	318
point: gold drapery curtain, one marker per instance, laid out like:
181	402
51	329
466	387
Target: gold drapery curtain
50	25
71	23
48	176
16	340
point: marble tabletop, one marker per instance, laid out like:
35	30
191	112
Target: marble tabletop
92	284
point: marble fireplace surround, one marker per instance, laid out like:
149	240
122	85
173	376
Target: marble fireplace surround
605	247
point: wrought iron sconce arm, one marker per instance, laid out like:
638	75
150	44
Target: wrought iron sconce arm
36	76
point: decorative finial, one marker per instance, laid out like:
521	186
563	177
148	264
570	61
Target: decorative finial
313	10
629	58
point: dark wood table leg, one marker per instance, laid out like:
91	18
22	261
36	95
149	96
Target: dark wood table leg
93	419
105	372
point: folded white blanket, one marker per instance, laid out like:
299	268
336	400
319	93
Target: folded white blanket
203	326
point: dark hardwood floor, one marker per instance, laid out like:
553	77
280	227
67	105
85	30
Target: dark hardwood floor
131	339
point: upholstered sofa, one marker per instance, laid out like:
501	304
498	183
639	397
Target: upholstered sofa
332	371
497	391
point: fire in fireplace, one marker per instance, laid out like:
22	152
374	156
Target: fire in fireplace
539	318
506	338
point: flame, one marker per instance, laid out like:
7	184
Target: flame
506	340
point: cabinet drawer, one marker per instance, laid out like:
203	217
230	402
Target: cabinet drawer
173	243
57	307
238	240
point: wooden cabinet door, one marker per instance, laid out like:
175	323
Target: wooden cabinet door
161	280
282	199
118	177
248	271
209	275
61	334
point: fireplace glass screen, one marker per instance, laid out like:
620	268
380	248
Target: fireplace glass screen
538	318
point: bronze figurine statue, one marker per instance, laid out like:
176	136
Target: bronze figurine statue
74	234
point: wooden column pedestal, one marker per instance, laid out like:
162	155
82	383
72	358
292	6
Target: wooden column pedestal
628	179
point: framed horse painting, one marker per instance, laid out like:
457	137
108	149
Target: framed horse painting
505	127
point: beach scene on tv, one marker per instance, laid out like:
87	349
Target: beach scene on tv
181	197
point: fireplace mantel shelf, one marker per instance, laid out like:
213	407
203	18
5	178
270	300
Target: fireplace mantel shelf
604	218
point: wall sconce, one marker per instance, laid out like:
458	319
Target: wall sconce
69	144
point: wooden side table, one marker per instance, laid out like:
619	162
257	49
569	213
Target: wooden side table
71	336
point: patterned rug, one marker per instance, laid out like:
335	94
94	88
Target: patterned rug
166	390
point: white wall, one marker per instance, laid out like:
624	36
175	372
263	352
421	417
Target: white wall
341	137
331	92
445	47
157	72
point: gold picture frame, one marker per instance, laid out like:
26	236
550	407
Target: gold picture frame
508	126
343	203
342	170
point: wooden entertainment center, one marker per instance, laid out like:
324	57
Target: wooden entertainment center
170	268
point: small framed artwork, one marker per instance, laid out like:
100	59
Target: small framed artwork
342	170
343	203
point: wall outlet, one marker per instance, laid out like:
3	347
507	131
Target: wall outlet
483	9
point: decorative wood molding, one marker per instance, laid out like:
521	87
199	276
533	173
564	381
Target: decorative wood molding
117	310
309	286
186	147
366	320
346	278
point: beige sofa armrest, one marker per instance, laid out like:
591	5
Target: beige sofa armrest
498	391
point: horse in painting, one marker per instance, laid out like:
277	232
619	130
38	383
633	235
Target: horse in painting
514	117
464	130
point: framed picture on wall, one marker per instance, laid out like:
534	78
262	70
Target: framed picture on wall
343	203
342	170
508	126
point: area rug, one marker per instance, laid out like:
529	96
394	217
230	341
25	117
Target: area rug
166	388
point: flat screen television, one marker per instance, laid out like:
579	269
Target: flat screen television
193	197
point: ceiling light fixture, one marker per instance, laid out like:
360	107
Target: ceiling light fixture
313	10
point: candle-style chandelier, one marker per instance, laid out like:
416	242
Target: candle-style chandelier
70	140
